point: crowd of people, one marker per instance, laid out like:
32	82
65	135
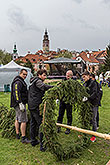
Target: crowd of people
20	96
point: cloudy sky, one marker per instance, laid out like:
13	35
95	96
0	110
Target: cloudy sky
72	24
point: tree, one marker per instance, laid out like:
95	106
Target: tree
65	54
5	57
107	59
29	65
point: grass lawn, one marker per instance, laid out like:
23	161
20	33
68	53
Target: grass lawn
13	152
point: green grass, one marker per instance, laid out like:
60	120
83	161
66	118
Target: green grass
13	152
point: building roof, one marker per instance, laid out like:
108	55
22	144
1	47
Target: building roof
33	58
61	60
88	57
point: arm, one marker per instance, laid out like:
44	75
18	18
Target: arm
42	86
93	93
17	91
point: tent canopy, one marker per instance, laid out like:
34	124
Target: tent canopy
9	71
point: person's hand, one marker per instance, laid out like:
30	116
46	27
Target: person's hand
84	99
21	107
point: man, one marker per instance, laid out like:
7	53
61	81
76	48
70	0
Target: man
36	92
19	98
100	93
68	107
93	99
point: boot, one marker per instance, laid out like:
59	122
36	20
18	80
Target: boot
41	142
67	131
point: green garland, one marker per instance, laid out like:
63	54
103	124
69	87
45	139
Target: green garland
72	92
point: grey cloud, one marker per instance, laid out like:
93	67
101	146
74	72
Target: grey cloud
18	19
78	1
106	1
86	25
68	17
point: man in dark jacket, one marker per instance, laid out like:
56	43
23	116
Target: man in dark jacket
36	92
93	99
19	98
68	107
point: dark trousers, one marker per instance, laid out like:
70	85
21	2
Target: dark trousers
62	108
36	120
97	118
94	117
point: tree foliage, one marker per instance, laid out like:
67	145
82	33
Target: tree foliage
107	59
106	66
29	65
65	54
5	57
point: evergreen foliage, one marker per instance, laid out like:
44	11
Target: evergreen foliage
7	121
107	59
71	92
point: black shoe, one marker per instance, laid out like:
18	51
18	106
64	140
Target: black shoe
42	148
35	143
58	130
17	136
67	131
25	141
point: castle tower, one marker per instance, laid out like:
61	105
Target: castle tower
15	54
45	42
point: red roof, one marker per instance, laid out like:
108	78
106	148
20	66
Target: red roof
86	56
33	58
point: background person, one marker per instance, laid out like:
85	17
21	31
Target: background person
100	93
19	98
101	78
93	99
63	106
36	92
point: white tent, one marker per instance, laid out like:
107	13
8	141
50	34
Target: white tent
9	71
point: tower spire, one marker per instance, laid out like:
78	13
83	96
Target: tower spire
46	42
15	54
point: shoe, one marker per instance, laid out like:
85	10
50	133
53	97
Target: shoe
93	139
35	143
58	130
42	148
25	141
67	131
17	136
97	127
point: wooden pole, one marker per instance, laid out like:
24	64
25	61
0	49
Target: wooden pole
44	113
101	135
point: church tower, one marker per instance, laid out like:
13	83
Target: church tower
45	42
15	54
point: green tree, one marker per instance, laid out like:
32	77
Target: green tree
5	57
107	59
29	65
65	54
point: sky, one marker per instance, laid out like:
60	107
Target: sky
71	24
